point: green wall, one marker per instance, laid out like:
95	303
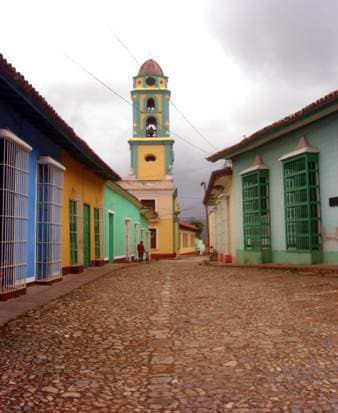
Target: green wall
322	135
122	209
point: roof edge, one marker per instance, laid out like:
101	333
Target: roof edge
316	110
227	171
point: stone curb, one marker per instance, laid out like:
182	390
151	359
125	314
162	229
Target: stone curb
329	270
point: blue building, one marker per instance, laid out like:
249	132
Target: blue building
32	136
286	192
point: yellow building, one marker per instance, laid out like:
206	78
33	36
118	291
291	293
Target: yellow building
151	147
188	237
82	237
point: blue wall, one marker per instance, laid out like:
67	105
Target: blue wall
42	146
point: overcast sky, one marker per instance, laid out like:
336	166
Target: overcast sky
234	66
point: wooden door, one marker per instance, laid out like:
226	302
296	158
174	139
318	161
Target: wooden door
86	235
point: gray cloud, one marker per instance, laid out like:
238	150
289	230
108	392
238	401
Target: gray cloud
290	40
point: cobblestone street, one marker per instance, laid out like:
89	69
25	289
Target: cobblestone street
177	337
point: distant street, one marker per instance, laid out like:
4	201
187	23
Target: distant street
177	336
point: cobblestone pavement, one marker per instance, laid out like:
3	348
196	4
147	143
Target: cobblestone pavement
177	337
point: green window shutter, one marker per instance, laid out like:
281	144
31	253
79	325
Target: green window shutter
73	232
302	202
256	210
97	234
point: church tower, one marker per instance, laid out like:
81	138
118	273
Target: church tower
151	156
151	145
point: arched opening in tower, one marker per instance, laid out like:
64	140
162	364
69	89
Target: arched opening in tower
151	127
150	104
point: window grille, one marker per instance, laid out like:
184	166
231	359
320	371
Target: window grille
185	240
302	202
49	219
97	232
73	231
256	210
14	169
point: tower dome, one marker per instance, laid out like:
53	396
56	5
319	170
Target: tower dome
150	67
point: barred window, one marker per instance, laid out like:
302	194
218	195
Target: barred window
185	240
49	219
302	202
97	232
14	169
256	210
73	231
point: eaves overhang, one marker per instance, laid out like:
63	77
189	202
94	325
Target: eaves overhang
17	92
215	175
317	110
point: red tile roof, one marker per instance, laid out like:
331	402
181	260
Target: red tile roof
150	67
213	177
188	227
33	96
321	103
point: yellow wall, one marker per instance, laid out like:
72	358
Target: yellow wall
151	170
191	245
165	236
82	184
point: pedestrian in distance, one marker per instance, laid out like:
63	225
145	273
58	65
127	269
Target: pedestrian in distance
140	251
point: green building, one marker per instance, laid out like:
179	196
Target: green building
285	187
125	224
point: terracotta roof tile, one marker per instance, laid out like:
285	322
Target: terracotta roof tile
189	227
150	67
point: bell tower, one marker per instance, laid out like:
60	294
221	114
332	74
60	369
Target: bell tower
151	152
151	146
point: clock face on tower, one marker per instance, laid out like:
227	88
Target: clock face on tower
150	81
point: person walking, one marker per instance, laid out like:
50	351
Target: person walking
140	251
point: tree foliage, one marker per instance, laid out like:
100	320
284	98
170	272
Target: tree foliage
199	224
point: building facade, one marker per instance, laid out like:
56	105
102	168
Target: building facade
188	238
125	224
82	241
220	197
34	184
152	157
286	194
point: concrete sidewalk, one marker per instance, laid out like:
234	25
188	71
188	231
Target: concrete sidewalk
38	295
